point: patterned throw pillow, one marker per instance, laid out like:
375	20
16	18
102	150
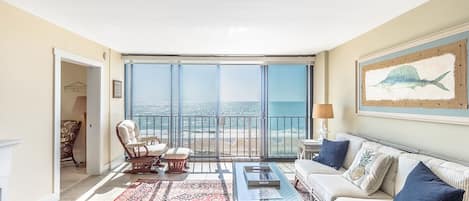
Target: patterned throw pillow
368	169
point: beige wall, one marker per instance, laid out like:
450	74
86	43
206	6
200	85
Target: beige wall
26	96
117	107
444	139
320	85
72	73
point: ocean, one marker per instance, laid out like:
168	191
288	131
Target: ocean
238	125
279	108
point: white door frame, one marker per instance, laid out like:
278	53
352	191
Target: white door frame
94	153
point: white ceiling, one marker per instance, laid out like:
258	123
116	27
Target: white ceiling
218	26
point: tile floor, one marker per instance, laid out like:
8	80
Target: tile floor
71	175
108	186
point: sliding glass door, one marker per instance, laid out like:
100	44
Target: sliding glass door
287	108
240	111
221	111
199	108
150	100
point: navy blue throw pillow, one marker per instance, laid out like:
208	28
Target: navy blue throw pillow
423	185
332	153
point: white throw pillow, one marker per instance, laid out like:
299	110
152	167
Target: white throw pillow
368	169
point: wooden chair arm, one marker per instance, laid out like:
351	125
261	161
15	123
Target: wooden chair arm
135	147
149	139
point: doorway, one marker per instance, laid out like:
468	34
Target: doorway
73	123
77	108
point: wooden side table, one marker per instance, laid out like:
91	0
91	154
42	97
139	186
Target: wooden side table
307	148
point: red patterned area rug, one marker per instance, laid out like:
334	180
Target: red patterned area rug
188	190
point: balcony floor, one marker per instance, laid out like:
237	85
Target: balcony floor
110	185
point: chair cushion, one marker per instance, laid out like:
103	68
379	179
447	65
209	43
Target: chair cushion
306	167
330	187
360	199
368	169
453	174
128	131
177	153
332	153
422	185
69	130
355	143
155	149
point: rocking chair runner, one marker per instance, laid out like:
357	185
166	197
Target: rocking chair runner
144	152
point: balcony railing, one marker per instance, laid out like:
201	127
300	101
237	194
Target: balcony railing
227	136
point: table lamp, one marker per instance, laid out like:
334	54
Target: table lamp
323	112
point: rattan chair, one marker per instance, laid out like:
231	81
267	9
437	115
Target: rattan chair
69	130
143	153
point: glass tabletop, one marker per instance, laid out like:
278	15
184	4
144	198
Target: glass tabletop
241	192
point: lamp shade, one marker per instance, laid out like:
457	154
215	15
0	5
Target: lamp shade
80	105
323	111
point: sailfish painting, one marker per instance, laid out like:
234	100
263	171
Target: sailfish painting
431	78
428	77
408	77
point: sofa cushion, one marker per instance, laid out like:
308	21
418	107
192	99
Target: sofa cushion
332	153
330	187
453	174
306	167
360	199
355	143
368	169
423	185
389	181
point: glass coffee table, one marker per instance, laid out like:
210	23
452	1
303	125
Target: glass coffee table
241	192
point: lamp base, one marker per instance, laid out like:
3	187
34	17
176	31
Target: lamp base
323	131
322	135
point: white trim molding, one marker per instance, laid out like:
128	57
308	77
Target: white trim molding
50	197
94	165
115	162
213	59
6	157
410	44
77	59
418	117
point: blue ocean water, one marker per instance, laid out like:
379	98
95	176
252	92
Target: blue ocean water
281	115
287	108
280	108
239	125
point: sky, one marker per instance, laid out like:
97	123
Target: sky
152	83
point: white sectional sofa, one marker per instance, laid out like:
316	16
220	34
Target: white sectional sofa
327	184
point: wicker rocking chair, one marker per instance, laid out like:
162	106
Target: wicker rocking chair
143	153
68	134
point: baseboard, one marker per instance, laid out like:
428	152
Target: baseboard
111	165
115	162
50	197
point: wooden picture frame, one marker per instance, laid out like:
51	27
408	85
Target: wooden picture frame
116	89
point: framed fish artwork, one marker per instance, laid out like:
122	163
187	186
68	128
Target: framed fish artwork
424	80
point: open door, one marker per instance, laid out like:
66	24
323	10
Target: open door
93	128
